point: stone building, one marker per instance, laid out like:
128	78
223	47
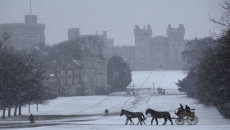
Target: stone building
151	53
25	35
68	79
159	52
88	75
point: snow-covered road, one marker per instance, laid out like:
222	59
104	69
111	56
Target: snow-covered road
93	106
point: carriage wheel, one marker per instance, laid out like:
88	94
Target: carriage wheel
192	121
179	121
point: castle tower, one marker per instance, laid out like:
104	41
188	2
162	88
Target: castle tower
26	35
176	45
73	33
142	47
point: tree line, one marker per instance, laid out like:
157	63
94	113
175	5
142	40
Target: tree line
208	64
21	79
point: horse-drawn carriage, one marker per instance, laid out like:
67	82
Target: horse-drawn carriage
188	116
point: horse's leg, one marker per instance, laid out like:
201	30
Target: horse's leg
165	119
170	119
156	121
131	122
144	122
139	121
126	121
152	121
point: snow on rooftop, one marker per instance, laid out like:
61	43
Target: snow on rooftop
164	79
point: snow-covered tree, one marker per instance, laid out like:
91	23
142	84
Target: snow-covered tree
119	74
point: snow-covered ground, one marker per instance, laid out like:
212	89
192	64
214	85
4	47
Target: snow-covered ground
163	79
209	117
92	110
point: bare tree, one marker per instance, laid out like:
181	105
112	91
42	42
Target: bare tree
224	19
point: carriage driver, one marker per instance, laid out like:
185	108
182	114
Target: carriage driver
179	110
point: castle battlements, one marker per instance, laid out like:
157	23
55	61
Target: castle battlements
74	33
144	31
176	33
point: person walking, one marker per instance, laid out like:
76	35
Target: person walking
106	112
31	118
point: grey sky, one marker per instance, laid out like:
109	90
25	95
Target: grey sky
117	17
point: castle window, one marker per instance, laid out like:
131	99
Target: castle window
70	72
69	66
76	72
62	81
76	81
62	72
69	81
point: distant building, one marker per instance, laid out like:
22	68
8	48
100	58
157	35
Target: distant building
24	35
86	76
152	53
68	79
159	52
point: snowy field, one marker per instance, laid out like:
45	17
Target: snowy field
88	111
161	78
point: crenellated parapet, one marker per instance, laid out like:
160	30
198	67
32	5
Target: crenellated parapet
143	32
176	34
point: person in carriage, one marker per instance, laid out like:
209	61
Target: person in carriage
180	109
187	109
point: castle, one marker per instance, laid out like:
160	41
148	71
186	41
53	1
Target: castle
159	52
89	74
153	53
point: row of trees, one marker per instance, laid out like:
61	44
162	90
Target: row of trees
208	64
21	79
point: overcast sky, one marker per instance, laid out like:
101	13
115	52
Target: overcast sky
117	17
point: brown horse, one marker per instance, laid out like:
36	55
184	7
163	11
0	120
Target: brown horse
156	114
139	115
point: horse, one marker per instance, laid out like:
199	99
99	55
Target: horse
131	115
156	114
